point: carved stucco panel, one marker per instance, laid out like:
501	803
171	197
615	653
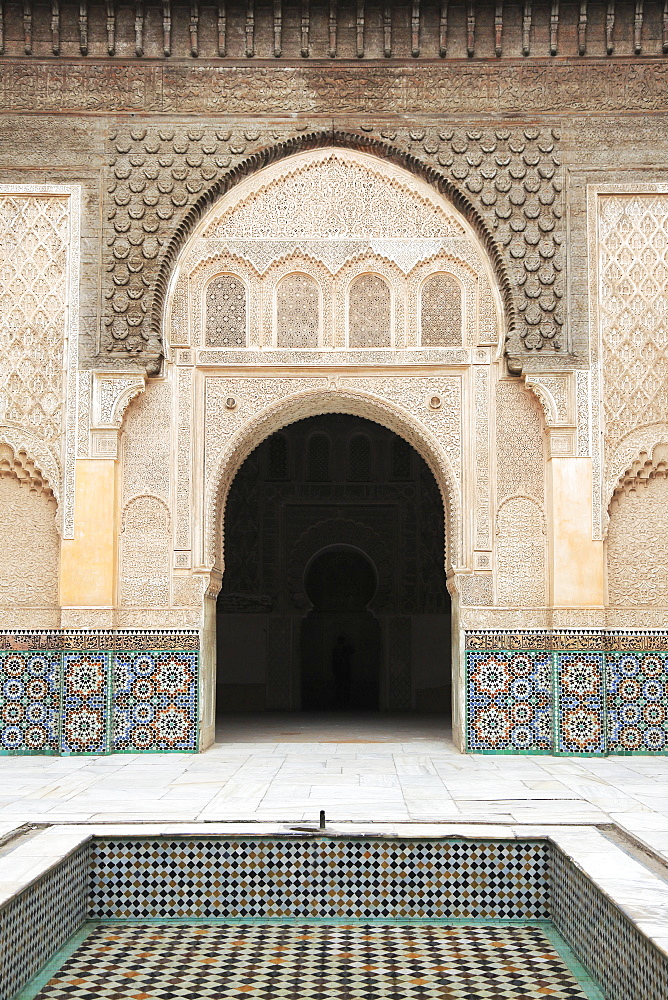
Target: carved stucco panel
297	262
556	395
250	395
337	194
584	407
30	550
39	319
183	490
145	544
482	531
512	176
84	412
519	443
476	591
111	396
197	282
637	568
416	395
147	443
631	267
520	528
521	553
470	332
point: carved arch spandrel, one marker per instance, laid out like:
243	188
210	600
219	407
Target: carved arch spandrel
347	141
314	403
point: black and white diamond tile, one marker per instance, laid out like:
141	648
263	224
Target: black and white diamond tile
346	879
314	962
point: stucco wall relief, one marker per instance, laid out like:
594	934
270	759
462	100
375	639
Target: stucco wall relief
508	181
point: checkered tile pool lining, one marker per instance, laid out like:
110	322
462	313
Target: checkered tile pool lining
317	962
589	692
98	692
37	922
252	879
622	961
361	879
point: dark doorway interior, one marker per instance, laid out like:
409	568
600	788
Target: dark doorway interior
334	595
340	645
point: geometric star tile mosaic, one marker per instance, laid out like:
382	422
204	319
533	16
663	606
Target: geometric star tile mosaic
85	711
637	701
154	701
509	701
29	701
95	691
314	962
257	878
609	691
580	702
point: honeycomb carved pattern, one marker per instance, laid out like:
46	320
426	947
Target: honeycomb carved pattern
21	467
508	182
645	467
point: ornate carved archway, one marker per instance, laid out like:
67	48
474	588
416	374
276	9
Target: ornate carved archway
334	400
384	151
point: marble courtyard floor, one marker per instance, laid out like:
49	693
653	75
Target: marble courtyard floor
376	769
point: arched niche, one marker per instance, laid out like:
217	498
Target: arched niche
347	212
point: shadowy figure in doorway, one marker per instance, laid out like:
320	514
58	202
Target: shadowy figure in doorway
342	668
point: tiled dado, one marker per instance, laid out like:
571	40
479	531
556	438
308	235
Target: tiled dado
79	692
589	691
608	907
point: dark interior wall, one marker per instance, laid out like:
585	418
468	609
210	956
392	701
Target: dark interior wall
306	504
